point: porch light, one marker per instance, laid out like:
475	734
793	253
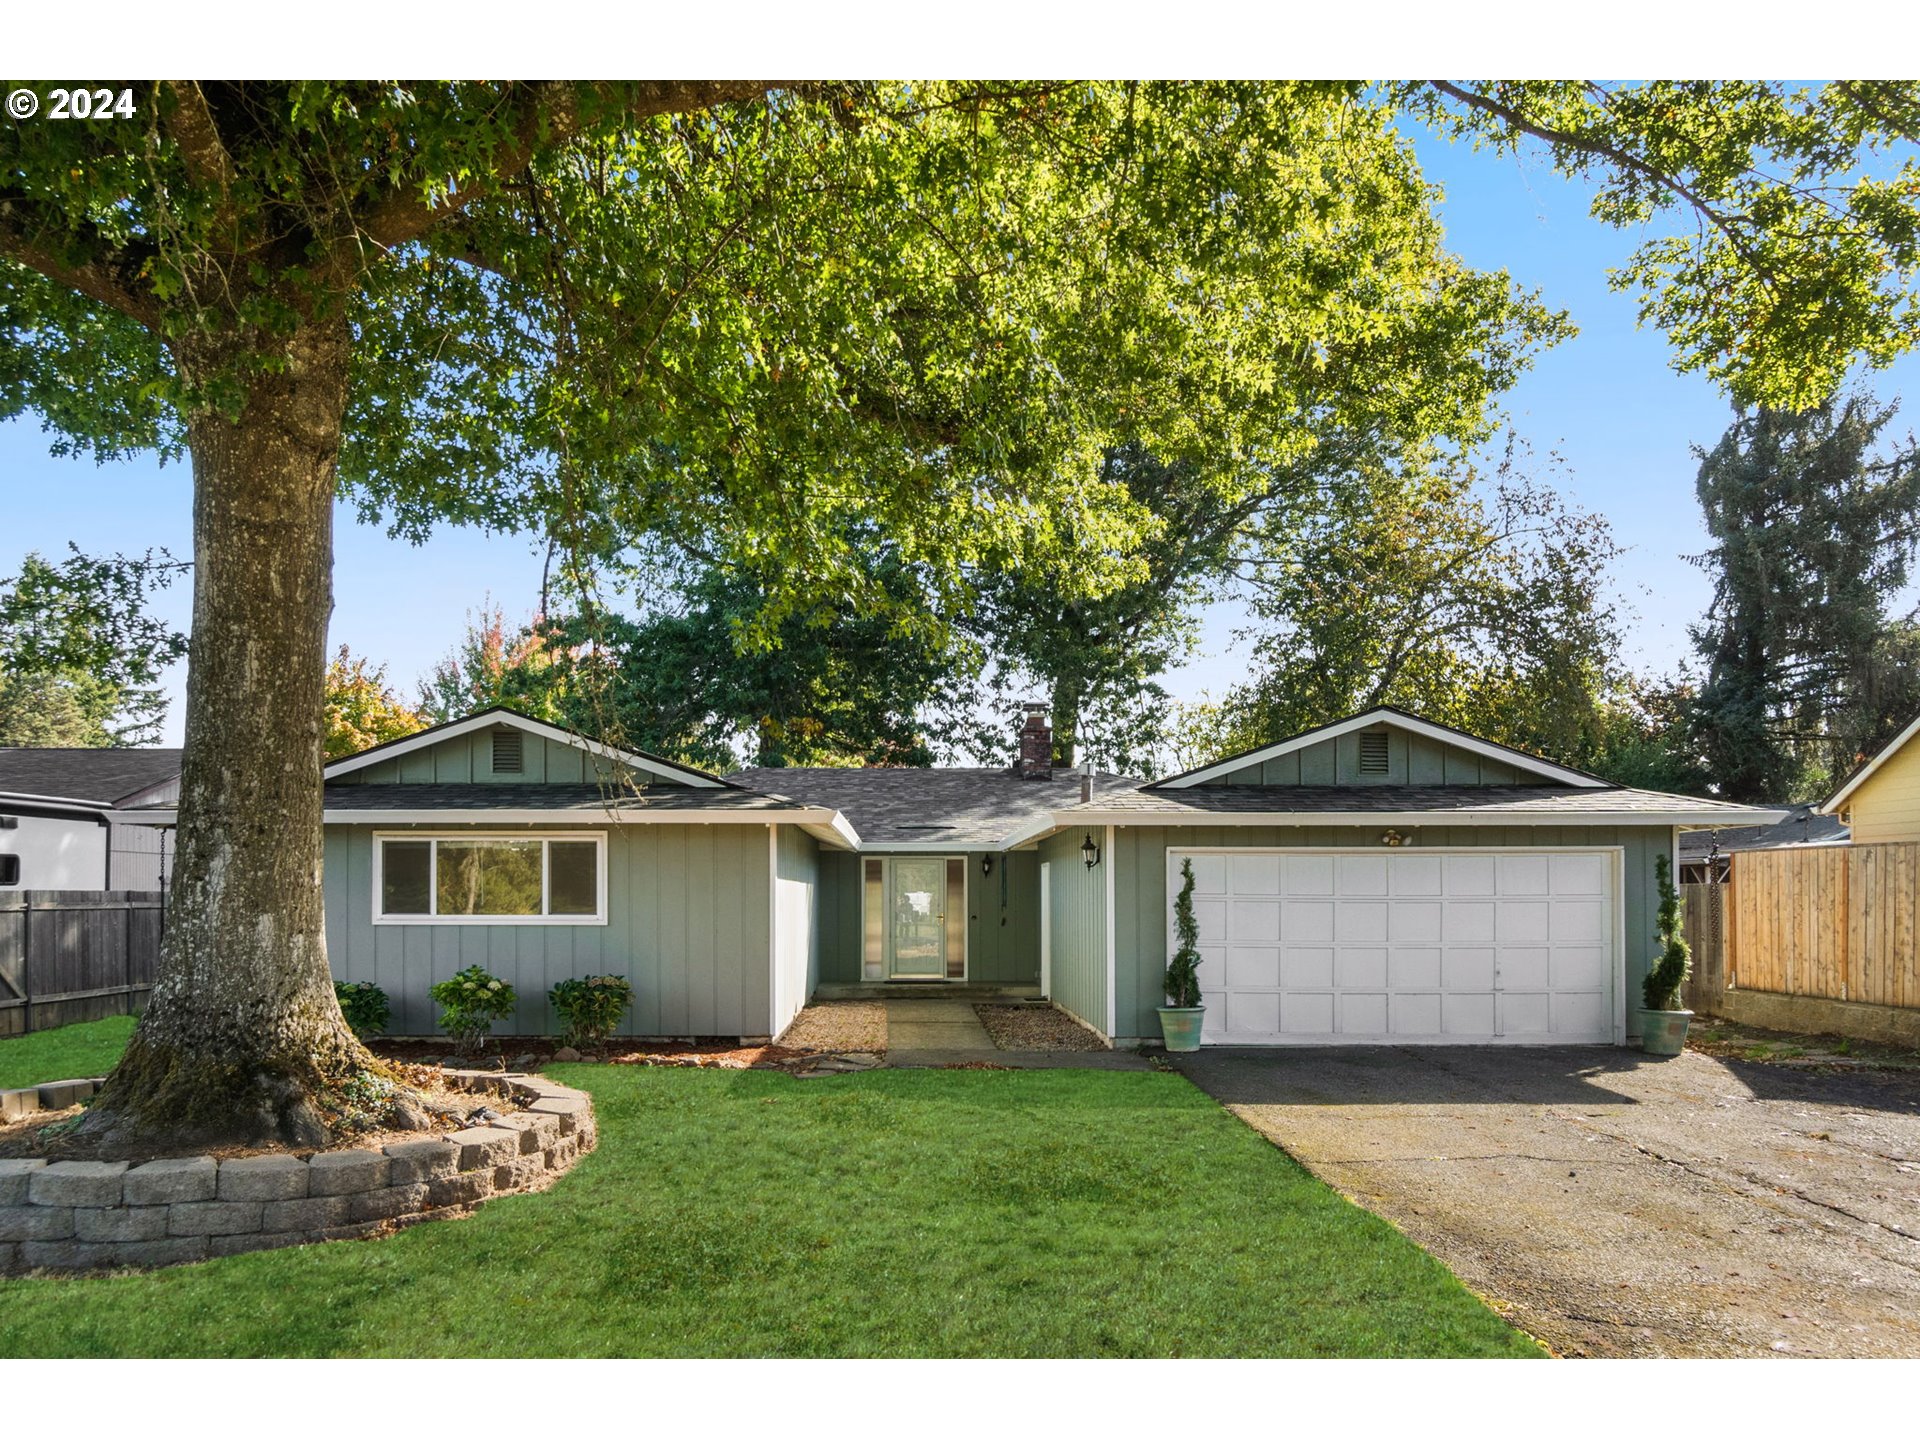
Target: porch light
1089	851
986	864
1393	839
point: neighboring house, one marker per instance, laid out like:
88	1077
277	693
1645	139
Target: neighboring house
1703	853
62	820
1881	800
1381	879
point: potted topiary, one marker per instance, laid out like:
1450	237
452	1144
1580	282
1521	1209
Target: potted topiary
1180	1016
1663	1024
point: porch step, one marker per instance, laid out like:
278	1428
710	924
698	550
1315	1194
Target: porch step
926	990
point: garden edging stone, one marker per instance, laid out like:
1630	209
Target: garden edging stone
90	1215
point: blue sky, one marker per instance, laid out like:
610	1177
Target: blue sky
1606	401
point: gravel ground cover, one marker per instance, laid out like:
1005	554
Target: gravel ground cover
839	1026
1036	1027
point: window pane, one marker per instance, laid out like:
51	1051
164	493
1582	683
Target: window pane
489	877
572	877
406	867
956	919
873	955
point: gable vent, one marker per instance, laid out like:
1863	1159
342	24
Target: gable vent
506	752
1373	752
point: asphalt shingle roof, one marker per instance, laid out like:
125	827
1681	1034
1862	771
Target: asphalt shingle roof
561	798
1803	827
102	776
904	805
1524	800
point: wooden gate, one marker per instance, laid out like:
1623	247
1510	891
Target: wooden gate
72	955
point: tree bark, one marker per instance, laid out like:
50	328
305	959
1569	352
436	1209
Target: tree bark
242	1041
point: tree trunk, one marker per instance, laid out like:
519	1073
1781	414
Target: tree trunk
1066	702
242	1040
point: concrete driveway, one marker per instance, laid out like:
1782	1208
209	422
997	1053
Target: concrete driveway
1613	1204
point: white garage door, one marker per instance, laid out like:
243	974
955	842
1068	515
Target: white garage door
1402	947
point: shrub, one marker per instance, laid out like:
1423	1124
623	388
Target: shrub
1669	972
1183	970
469	1004
365	1006
591	1007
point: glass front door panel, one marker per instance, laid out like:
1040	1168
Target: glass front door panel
919	918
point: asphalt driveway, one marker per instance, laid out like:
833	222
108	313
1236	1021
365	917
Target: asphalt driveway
1614	1204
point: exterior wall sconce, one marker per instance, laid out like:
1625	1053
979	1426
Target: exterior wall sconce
986	864
1393	839
1089	851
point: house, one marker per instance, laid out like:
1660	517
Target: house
1881	800
1381	879
63	822
1703	853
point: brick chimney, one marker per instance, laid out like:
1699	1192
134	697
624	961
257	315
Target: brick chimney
1036	744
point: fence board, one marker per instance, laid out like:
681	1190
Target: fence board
1838	923
72	955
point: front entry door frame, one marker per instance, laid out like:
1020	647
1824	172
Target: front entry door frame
881	959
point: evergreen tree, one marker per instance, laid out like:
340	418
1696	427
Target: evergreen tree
1812	533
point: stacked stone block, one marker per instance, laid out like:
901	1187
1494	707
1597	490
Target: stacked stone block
92	1214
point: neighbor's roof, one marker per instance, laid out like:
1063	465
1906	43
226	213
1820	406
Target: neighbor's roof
584	799
909	805
1803	826
93	777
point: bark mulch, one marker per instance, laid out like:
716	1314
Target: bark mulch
1035	1027
839	1027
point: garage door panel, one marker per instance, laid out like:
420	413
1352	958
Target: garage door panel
1523	922
1360	922
1580	967
1525	1014
1306	1013
1435	947
1467	1016
1252	967
1309	922
1209	874
1469	922
1306	967
1413	969
1363	1014
1415	922
1578	922
1360	968
1253	1012
1526	967
1413	1014
1467	967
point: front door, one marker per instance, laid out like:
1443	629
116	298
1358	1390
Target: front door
918	903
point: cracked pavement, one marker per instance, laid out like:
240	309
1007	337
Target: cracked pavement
1614	1204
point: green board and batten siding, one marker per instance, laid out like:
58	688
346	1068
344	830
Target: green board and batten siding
688	910
1141	900
468	760
1078	899
1411	760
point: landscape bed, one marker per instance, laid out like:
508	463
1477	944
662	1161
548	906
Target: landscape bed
732	1213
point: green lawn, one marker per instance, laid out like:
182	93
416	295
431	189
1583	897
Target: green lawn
73	1052
891	1213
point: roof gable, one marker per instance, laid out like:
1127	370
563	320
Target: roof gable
92	776
1415	752
1833	803
460	752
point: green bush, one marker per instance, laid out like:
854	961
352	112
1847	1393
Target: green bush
469	1004
1183	970
365	1006
1669	972
591	1007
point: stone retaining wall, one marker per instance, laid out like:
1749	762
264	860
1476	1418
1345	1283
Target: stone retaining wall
92	1214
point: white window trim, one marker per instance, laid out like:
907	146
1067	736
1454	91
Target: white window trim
597	837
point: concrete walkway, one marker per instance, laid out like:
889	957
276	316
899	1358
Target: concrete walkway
922	1033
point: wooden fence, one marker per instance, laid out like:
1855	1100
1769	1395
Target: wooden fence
1836	922
72	955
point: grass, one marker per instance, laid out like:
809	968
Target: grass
897	1212
72	1052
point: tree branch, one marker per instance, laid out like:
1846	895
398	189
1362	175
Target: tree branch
190	125
100	271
